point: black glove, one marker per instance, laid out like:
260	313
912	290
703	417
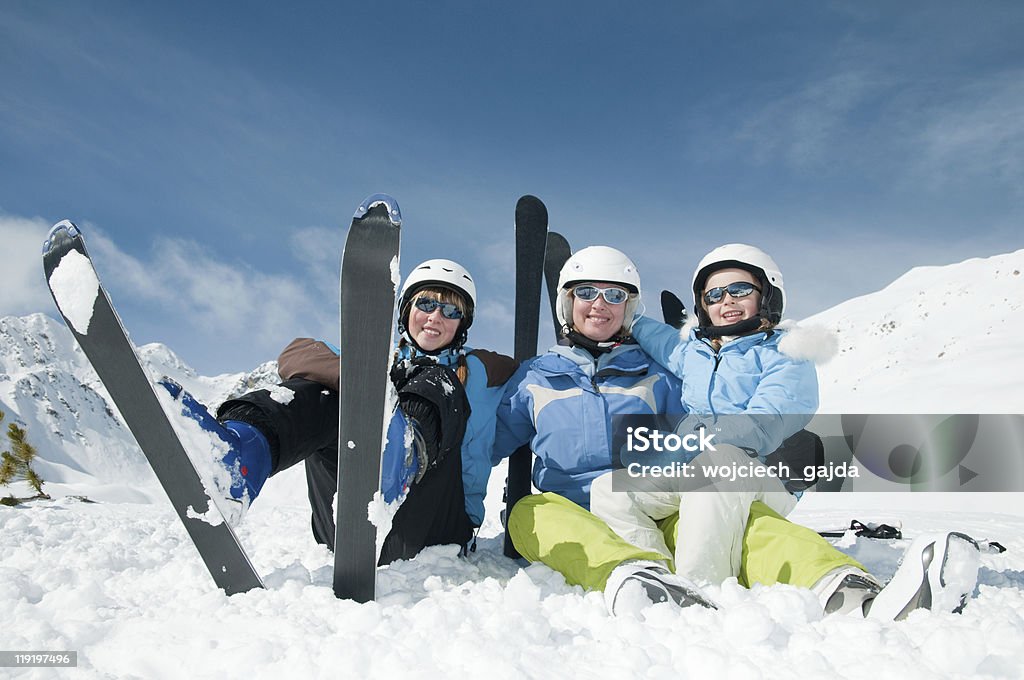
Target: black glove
424	418
434	400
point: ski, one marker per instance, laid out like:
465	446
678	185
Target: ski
86	308
369	278
531	238
555	255
867	530
894	532
673	311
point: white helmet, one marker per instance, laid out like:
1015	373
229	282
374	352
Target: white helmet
445	274
598	264
754	260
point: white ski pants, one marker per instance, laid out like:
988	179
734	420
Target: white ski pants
709	535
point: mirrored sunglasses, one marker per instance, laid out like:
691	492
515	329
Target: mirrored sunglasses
612	295
448	310
740	289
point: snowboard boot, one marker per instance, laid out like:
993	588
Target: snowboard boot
635	585
938	571
246	463
846	590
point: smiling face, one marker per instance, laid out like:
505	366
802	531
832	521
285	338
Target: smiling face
597	320
433	331
732	310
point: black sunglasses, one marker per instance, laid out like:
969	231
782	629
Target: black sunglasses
740	289
448	309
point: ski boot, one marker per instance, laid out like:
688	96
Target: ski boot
636	584
247	461
939	572
847	590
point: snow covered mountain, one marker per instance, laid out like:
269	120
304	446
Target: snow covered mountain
48	387
936	340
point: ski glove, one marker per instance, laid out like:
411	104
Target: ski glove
426	430
433	398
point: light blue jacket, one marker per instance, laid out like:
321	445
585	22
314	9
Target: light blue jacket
561	403
485	392
749	375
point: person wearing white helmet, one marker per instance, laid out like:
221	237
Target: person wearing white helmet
561	403
753	384
437	459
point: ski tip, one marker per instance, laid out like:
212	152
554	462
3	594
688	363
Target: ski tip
530	200
394	212
65	228
556	239
531	210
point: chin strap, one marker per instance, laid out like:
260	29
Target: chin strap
595	348
738	328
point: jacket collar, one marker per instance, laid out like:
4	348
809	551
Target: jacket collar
564	359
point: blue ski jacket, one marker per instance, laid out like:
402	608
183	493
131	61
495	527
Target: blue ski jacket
561	403
749	375
485	387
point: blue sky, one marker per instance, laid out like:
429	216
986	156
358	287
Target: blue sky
215	151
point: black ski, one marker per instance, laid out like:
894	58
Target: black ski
86	308
531	238
673	311
369	271
555	255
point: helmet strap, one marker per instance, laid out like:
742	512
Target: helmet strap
738	328
577	339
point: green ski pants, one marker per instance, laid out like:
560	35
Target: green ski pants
551	529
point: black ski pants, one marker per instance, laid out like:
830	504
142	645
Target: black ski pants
306	429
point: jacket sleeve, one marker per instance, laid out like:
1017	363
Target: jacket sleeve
515	425
311	359
661	342
783	403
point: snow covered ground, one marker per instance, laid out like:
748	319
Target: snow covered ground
119	582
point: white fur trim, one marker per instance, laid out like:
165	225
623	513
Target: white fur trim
808	343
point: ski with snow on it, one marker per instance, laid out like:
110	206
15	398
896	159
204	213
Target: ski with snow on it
369	273
86	308
531	238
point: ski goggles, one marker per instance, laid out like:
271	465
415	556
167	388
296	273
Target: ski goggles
448	309
740	289
612	295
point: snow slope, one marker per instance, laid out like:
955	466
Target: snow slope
936	340
119	582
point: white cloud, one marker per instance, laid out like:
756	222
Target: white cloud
978	132
805	126
224	302
21	274
862	116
